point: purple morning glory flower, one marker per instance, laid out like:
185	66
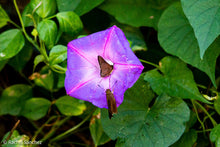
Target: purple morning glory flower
84	78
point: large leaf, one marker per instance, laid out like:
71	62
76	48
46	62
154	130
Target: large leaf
58	54
215	135
3	17
47	30
176	36
12	41
217	105
19	61
136	124
98	135
175	79
86	5
204	17
186	140
44	8
136	13
70	106
35	108
13	99
79	6
69	22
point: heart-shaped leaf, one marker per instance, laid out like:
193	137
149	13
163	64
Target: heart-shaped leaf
4	17
176	36
204	17
136	124
58	54
175	80
215	135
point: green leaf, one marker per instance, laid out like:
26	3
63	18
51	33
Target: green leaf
175	79
69	22
12	41
188	139
136	13
58	54
61	79
44	8
136	124
13	98
204	17
98	135
44	79
38	59
27	14
67	5
35	108
70	106
47	30
19	61
176	36
2	64
4	17
215	135
86	5
217	105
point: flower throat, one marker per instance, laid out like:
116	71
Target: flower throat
105	68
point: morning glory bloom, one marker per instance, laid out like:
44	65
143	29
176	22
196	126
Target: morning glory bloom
98	62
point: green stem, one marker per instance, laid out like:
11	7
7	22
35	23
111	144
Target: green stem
12	22
41	128
197	115
54	128
50	17
23	28
203	131
214	123
144	61
61	136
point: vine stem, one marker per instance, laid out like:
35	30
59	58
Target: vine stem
12	22
152	64
59	137
26	35
197	115
214	123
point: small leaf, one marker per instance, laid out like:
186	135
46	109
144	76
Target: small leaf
2	64
27	14
38	59
57	54
61	79
44	8
138	125
176	36
215	135
47	30
217	105
19	61
67	5
13	98
188	139
69	22
136	13
98	135
12	41
35	108
86	5
176	80
204	17
4	17
70	106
